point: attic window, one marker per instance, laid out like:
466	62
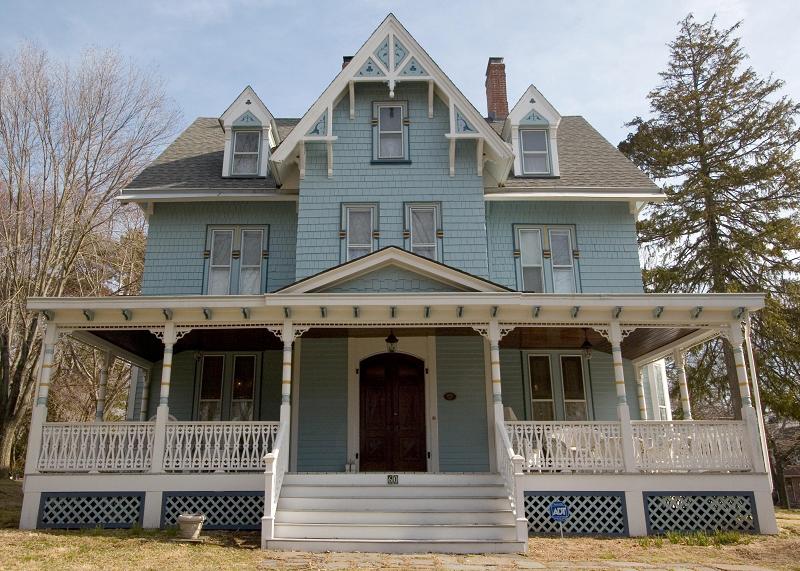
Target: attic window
390	132
246	148
535	152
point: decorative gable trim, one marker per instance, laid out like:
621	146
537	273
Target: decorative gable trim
392	55
248	112
395	257
533	110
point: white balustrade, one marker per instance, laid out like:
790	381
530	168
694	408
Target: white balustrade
691	446
218	446
96	447
567	446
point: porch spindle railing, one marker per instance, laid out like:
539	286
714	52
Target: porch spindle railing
277	464
691	445
509	464
96	447
218	446
567	446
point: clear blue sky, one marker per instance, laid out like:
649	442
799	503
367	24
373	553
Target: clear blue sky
597	59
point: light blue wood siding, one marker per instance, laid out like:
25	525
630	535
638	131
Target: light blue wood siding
390	279
356	180
322	422
463	439
174	262
604	395
513	381
605	233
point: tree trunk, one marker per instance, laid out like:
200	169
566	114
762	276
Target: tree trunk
8	432
733	379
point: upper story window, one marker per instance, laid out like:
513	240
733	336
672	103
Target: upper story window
546	259
535	152
359	230
390	138
422	230
236	261
246	151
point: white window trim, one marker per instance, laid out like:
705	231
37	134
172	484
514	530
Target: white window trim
585	399
401	132
260	265
571	266
235	153
229	266
348	244
435	244
552	399
538	230
546	151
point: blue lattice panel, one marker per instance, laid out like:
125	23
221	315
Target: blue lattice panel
223	510
81	510
689	512
595	513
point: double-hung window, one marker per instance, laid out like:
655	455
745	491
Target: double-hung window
546	259
390	125
535	152
422	221
574	388
227	387
236	262
246	150
359	221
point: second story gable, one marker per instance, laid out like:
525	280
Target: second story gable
392	154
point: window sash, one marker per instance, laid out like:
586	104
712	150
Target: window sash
572	400
206	407
543	153
237	153
562	268
539	253
382	132
243	408
356	249
545	359
416	243
253	268
227	257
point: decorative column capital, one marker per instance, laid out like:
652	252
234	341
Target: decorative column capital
169	334
614	333
493	331
287	332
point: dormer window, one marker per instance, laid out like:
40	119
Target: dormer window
535	153
246	149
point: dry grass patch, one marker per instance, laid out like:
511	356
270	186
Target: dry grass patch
10	503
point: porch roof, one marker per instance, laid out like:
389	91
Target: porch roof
655	324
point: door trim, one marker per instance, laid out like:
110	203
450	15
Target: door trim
358	349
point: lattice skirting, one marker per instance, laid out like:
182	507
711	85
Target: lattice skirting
231	510
591	513
74	510
702	511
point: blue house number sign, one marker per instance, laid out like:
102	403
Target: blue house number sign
559	511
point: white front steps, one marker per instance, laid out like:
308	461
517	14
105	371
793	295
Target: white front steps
459	513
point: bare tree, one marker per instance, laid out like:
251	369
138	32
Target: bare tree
71	137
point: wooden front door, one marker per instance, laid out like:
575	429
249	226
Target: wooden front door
392	425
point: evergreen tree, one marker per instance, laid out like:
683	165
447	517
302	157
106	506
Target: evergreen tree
722	141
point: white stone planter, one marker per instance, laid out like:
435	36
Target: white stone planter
190	525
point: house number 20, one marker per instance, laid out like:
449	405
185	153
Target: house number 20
392	479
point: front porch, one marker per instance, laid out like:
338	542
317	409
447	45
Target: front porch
480	410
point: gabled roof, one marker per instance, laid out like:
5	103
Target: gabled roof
367	65
248	105
393	256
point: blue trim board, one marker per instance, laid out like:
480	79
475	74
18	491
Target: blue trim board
113	525
749	495
614	494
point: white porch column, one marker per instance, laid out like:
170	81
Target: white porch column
30	500
623	412
287	336
640	393
494	335
162	412
749	416
39	412
108	361
678	357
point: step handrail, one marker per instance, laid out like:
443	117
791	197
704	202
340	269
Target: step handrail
277	464
509	465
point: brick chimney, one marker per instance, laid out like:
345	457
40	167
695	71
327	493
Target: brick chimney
496	97
346	60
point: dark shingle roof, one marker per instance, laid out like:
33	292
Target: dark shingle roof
586	160
194	161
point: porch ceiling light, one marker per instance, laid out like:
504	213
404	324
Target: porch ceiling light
586	347
391	342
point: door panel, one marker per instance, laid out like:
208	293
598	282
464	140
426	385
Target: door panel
392	425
